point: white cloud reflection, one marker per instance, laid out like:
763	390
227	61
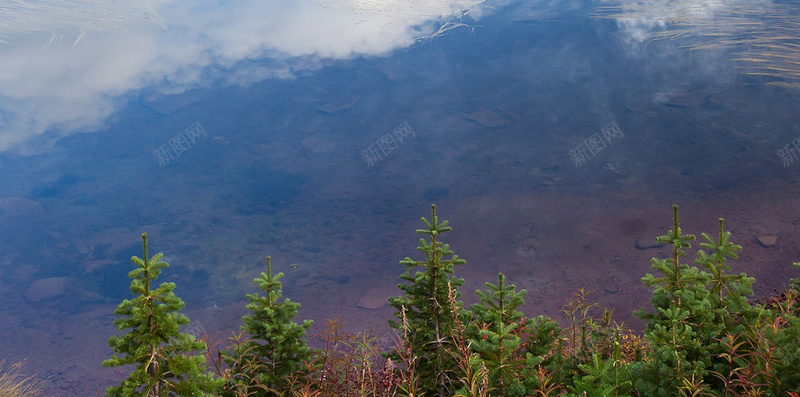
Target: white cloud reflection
66	64
642	20
760	37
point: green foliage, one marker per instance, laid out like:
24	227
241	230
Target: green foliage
473	375
681	329
728	292
580	326
705	335
243	366
160	353
594	354
424	310
796	280
276	342
496	332
771	354
603	377
702	337
541	334
541	344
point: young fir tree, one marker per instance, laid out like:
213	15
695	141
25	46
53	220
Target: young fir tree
162	355
542	337
495	335
729	292
680	323
695	309
276	340
425	311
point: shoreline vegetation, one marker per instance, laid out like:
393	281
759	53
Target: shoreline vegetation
14	384
704	336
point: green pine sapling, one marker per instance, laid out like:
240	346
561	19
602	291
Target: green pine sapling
496	334
162	355
681	321
729	292
276	342
424	310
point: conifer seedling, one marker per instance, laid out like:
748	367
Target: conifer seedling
152	342
276	341
497	335
426	304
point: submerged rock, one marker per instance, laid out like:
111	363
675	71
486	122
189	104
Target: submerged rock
46	288
487	118
768	241
168	104
339	104
646	245
373	299
19	206
608	284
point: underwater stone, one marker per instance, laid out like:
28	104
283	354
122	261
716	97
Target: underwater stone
767	241
168	104
19	206
608	284
339	104
46	288
642	245
487	118
373	299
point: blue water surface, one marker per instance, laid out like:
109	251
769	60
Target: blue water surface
553	144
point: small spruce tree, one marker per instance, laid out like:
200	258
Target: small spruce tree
729	292
681	301
496	334
425	309
276	340
162	355
693	311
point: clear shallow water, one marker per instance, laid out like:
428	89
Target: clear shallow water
276	168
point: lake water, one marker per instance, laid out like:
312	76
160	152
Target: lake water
553	143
